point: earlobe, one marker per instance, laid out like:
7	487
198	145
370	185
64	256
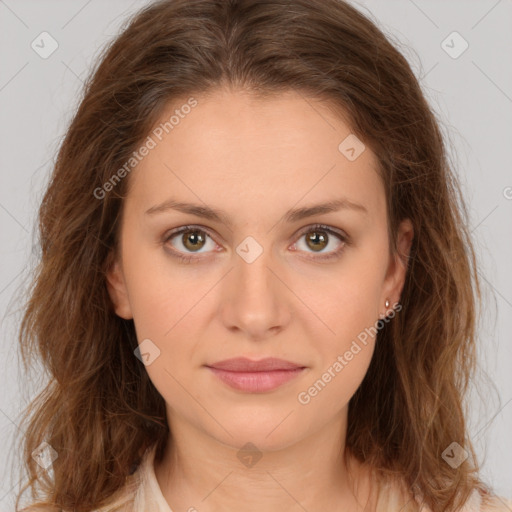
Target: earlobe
117	290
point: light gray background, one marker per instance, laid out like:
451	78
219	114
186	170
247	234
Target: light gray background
471	94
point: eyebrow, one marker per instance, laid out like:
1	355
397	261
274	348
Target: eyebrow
292	215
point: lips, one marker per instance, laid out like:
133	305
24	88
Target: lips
242	364
249	376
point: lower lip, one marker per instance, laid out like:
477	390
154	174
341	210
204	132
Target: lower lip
254	382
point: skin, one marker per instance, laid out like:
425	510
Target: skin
256	159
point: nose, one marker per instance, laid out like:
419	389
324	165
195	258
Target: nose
255	299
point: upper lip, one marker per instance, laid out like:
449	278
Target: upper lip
242	364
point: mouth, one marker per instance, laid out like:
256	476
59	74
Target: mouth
250	376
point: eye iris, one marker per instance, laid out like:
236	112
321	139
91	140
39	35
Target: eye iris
319	237
195	236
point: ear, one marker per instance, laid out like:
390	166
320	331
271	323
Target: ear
117	290
397	269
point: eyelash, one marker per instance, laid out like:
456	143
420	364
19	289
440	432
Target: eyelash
320	227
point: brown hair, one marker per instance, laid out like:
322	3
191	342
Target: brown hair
99	410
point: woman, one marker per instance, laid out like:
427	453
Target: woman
314	354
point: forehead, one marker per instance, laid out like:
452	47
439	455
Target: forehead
234	148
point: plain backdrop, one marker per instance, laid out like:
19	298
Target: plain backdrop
466	76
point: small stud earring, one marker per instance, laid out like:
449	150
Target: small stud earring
387	303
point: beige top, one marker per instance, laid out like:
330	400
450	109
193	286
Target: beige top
142	493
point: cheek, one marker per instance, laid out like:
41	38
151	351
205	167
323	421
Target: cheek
344	351
330	390
168	307
158	291
344	303
342	332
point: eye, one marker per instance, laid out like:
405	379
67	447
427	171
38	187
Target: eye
193	239
318	237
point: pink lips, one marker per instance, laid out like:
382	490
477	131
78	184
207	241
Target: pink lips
255	376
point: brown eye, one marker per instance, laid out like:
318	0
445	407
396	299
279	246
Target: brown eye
317	240
188	240
193	240
322	240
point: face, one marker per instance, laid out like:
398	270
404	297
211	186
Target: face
257	281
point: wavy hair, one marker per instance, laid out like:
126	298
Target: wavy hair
99	410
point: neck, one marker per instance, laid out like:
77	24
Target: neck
199	471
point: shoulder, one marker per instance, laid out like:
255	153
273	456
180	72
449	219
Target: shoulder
133	496
123	501
394	495
496	504
483	501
